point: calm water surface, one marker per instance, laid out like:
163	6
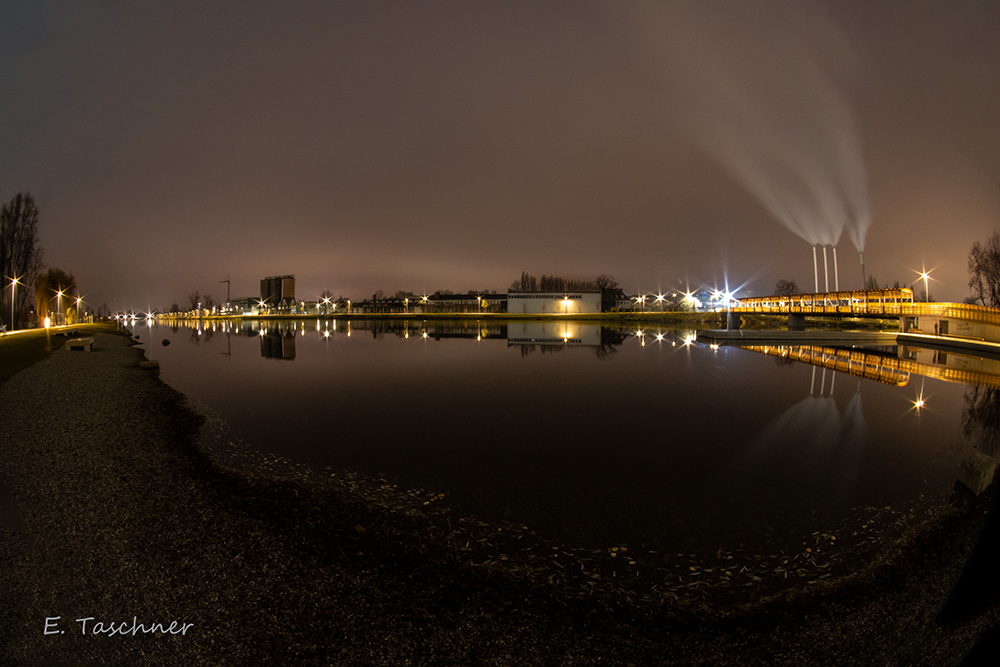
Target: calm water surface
589	435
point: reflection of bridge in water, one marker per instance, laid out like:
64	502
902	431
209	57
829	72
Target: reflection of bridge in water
892	369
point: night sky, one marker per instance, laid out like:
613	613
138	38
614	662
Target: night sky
452	145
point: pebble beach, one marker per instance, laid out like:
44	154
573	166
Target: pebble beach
124	541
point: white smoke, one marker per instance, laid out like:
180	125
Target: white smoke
754	84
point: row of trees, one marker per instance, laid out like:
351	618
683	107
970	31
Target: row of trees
23	268
604	283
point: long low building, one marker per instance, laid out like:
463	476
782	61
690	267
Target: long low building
565	303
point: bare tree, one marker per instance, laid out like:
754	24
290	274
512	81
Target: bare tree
20	255
984	271
785	288
526	283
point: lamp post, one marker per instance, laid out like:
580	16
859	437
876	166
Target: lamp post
13	282
927	291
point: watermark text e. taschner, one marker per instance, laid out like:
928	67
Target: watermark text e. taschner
112	628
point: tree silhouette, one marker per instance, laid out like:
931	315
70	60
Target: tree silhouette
20	255
984	271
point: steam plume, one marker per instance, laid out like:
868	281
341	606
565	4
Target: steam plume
754	84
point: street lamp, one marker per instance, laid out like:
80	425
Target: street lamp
13	281
927	291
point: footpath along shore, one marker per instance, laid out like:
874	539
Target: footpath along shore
111	513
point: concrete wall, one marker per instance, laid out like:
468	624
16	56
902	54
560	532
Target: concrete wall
947	326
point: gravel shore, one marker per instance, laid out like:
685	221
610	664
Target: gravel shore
110	511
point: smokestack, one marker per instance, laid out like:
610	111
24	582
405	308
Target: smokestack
826	273
864	278
815	271
836	274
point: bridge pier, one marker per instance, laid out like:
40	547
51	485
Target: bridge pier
796	321
733	320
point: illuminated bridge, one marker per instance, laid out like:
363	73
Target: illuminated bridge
956	320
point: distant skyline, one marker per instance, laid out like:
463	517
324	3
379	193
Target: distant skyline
452	145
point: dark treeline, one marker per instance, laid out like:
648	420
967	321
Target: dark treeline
528	283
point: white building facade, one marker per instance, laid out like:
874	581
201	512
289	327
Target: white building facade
553	303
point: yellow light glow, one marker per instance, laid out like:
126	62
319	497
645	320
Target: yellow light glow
47	323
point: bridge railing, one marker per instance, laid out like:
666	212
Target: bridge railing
964	311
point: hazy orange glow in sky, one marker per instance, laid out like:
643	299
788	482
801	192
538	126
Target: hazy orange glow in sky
429	145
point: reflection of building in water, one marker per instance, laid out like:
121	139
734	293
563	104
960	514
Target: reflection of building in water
951	367
274	345
567	303
553	333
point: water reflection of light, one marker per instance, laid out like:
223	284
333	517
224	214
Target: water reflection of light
920	402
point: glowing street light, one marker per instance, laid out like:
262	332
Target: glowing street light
927	290
58	304
13	283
